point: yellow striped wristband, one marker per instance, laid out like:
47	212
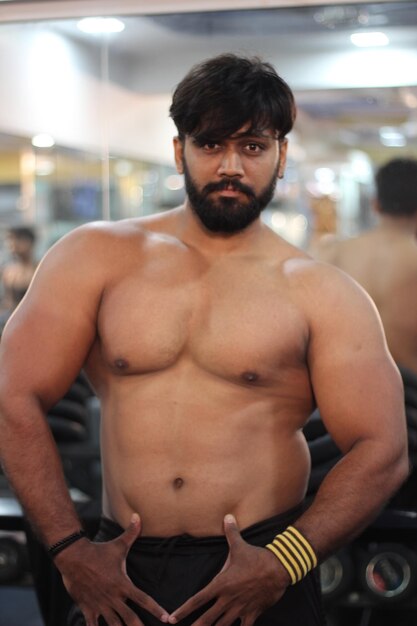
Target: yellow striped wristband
294	552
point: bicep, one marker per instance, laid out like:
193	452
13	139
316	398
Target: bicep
47	339
356	383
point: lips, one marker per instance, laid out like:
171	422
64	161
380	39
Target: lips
230	192
228	189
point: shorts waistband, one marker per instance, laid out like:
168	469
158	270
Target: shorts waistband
259	533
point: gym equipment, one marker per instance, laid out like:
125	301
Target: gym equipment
336	575
12	560
388	572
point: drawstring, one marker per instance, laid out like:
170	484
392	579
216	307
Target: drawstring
167	546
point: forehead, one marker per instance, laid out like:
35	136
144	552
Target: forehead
245	131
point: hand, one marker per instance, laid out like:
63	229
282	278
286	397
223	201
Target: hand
94	575
251	580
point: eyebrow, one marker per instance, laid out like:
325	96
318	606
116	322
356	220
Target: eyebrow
255	134
259	134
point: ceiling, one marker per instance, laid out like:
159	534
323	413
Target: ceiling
344	95
342	103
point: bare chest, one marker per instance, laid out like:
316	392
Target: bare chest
227	320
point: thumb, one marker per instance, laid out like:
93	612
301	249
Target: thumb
231	530
132	532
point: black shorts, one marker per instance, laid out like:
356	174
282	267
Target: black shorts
173	569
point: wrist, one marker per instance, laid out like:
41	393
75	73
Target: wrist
72	556
294	553
65	542
276	571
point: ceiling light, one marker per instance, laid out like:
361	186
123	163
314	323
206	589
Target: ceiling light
97	25
395	142
369	40
43	140
392	137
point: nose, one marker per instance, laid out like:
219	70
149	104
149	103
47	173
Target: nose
231	164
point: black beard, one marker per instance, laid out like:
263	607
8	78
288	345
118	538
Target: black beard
227	215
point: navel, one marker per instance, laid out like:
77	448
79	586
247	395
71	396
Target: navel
250	377
178	483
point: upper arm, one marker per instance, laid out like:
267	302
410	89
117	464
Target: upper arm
48	337
356	384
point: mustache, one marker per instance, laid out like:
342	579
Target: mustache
228	183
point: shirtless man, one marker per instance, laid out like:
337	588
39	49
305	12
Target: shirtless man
209	340
384	259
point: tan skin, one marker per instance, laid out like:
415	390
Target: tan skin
384	261
208	353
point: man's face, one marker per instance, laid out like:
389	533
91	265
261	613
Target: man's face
230	182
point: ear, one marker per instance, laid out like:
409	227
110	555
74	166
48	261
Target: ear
283	146
178	154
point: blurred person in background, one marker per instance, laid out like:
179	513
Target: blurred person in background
383	259
17	273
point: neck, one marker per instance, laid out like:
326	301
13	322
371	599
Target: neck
194	233
405	226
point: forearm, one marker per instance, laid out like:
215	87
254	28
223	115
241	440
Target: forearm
32	465
351	496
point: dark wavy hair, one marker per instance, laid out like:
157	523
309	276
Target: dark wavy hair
396	187
220	95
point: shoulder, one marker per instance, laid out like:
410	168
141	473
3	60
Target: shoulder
103	231
326	293
308	276
95	239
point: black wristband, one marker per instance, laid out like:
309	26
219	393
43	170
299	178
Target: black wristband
57	547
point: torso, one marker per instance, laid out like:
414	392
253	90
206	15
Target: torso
385	264
200	366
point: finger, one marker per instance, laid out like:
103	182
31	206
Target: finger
112	618
192	604
89	618
211	615
131	533
128	616
249	620
229	618
231	530
146	602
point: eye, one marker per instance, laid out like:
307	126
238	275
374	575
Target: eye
207	145
210	146
254	148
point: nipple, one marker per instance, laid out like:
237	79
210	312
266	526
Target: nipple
250	377
121	364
